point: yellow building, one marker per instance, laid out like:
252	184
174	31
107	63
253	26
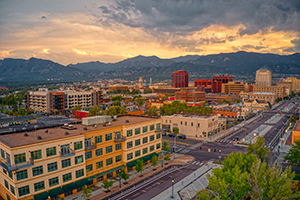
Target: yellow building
263	77
279	90
234	87
296	133
295	83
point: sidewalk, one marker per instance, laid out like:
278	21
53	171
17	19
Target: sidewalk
98	192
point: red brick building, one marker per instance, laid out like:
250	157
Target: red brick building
222	78
216	86
79	114
190	96
180	79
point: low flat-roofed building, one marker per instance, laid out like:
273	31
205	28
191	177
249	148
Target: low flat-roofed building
234	87
190	96
18	120
219	97
279	90
296	133
287	85
234	112
165	90
256	105
263	97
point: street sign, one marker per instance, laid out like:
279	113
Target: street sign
281	138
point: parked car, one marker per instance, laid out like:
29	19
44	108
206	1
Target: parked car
181	136
172	135
235	139
164	133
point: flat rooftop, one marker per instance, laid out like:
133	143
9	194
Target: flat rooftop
188	115
264	93
18	139
297	126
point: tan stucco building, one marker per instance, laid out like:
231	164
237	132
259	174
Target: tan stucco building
279	90
296	133
295	83
263	96
234	87
263	77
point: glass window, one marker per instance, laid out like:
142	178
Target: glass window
20	158
118	158
145	129
52	167
53	181
129	133
36	154
151	138
79	173
152	127
158	126
99	164
108	137
129	145
12	189
6	184
67	177
88	155
37	170
108	149
78	159
192	124
137	131
118	147
22	174
24	190
137	142
158	136
10	175
145	150
77	145
4	171
39	186
145	140
185	123
158	146
51	151
66	163
109	161
2	153
89	168
138	153
152	148
98	139
129	156
99	152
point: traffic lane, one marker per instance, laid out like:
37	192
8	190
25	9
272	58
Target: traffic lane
187	140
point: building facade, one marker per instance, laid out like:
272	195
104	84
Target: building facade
190	96
263	97
216	86
263	77
180	79
234	87
295	83
279	90
220	97
222	78
296	133
234	112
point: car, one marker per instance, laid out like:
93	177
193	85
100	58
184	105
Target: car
172	135
181	136
235	139
163	133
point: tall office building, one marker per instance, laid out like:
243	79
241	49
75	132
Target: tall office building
263	77
216	86
223	78
180	79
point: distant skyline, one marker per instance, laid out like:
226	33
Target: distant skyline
71	31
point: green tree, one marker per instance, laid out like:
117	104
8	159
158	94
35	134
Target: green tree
139	166
107	184
117	98
124	175
238	101
86	192
94	111
154	160
78	107
165	146
294	154
167	157
259	148
294	118
116	103
153	112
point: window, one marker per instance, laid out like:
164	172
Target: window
158	126
192	124
78	159
158	146
24	190
77	145
2	153
36	154
37	170
22	174
185	123
129	133
20	158
166	121
99	164
137	131
8	197
39	186
118	158
79	173
145	140
152	148
118	147
67	177
6	184
108	137
181	123
152	138
12	189
52	167
53	181
108	149
198	124
89	168
158	136
4	171
137	142
99	152
152	127
109	161
145	129
129	145
145	150
138	153
88	155
66	194
66	163
129	156
51	151
170	121
98	139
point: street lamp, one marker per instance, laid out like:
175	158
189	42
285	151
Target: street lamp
220	155
120	178
172	188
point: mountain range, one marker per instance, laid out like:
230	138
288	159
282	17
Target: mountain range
243	64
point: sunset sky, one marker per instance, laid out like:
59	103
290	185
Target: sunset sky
72	31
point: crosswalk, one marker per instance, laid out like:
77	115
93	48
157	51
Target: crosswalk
225	141
182	150
197	145
196	163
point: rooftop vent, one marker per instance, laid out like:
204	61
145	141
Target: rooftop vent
70	126
109	123
127	121
39	137
66	124
85	128
46	131
95	126
25	134
114	119
104	124
66	133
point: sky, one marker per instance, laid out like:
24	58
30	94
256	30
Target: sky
72	31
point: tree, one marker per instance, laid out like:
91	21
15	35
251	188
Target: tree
78	107
167	157
165	146
124	175
154	160
117	98
86	192
139	166
294	118
153	111
94	111
259	149
238	101
294	154
107	184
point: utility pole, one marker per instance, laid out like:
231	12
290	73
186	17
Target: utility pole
172	189
220	156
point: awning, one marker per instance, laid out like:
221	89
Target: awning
106	172
81	182
69	187
56	191
131	163
41	196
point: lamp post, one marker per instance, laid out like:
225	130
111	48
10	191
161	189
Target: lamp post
119	178
172	188
220	156
162	160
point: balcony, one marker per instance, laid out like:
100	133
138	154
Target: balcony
66	154
15	167
120	138
90	146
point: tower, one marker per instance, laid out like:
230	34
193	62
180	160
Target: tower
150	83
263	77
140	82
180	79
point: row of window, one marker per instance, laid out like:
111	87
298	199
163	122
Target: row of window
99	164
99	152
144	151
137	131
144	140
